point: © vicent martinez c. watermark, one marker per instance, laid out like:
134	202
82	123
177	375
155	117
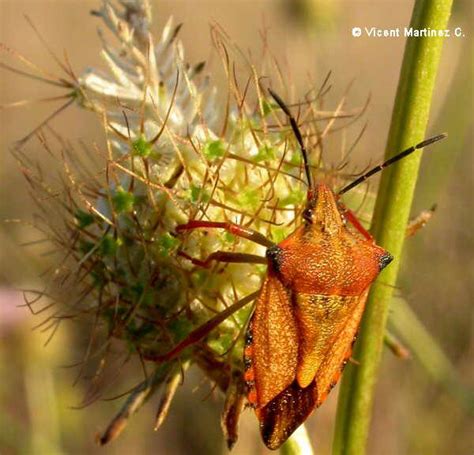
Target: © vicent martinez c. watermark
406	32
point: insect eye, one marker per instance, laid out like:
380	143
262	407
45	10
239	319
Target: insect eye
308	215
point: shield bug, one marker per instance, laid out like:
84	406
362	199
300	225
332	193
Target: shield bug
308	310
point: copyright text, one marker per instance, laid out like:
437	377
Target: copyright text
374	32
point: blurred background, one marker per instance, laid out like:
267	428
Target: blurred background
416	410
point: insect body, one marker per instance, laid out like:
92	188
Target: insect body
307	316
308	310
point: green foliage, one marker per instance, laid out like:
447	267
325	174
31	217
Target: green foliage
265	152
124	201
83	219
222	344
166	243
267	107
214	149
198	194
109	245
296	198
249	199
141	147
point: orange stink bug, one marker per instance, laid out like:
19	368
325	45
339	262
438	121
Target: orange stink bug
308	310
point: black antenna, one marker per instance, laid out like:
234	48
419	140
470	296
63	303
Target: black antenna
297	132
390	161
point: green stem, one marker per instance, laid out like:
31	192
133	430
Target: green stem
298	443
409	119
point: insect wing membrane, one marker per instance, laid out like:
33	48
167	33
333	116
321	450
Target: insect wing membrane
285	413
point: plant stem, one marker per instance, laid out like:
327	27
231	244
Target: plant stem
409	119
298	443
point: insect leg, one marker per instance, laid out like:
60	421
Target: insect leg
419	222
225	256
199	333
397	348
234	229
352	218
413	226
233	408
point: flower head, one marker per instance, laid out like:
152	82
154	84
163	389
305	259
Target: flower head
176	157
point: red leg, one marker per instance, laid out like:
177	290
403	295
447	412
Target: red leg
235	229
199	333
351	217
413	226
224	256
